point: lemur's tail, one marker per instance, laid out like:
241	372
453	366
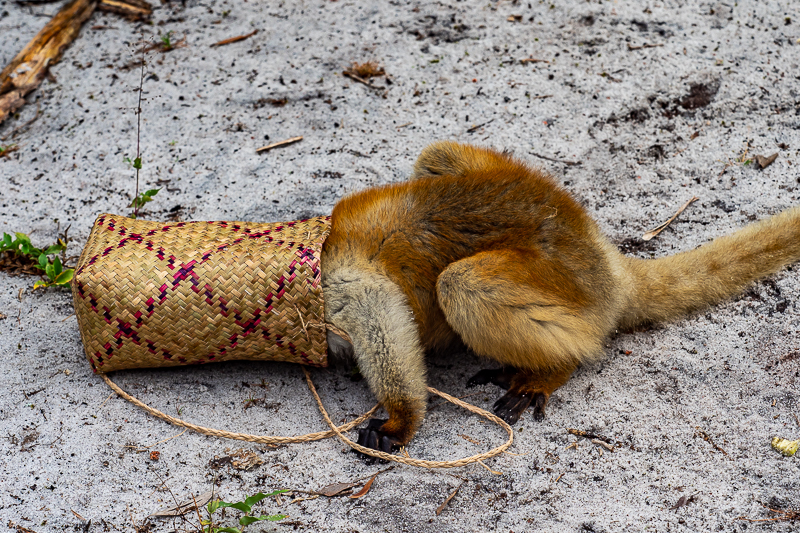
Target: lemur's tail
672	286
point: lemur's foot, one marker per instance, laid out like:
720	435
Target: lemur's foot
372	437
498	376
511	406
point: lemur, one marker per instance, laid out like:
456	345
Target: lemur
480	248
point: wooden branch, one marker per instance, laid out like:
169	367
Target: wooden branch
235	39
29	67
279	143
130	9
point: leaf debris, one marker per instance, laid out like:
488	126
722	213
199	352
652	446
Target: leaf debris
658	229
365	488
764	162
286	142
447	500
235	39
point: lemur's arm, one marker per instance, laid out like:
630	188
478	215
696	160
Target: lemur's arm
375	314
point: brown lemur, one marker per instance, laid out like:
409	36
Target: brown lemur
480	248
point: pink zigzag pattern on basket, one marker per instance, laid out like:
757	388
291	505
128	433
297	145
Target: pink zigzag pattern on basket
186	271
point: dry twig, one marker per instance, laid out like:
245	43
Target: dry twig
783	514
653	232
362	80
645	45
130	9
235	39
589	435
279	143
706	437
27	70
473	129
568	163
444	503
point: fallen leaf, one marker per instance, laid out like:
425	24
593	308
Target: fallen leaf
680	503
444	503
683	500
246	459
335	489
185	507
764	162
365	489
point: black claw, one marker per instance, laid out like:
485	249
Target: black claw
371	437
511	406
372	440
362	437
539	401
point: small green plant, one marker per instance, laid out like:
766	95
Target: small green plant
5	150
166	40
245	506
40	258
143	198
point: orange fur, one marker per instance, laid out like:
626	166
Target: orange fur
489	251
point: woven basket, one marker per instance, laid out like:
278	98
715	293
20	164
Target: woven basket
150	294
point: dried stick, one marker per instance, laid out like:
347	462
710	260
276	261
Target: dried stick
130	9
235	39
653	232
27	70
645	45
279	143
566	162
362	80
444	503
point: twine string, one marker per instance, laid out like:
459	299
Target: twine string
335	431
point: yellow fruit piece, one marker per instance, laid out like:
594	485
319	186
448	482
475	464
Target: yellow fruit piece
786	447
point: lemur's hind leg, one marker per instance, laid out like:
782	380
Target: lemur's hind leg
497	376
529	388
375	313
497	303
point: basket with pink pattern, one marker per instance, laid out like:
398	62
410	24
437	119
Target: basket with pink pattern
151	294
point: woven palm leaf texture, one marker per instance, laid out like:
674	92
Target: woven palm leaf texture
150	294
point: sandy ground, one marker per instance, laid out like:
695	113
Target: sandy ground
691	405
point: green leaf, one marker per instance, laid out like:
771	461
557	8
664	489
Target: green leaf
151	192
247	520
137	163
227	530
255	498
65	277
53	249
243	507
25	247
21	237
42	261
7	240
50	270
213	506
40	285
57	266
